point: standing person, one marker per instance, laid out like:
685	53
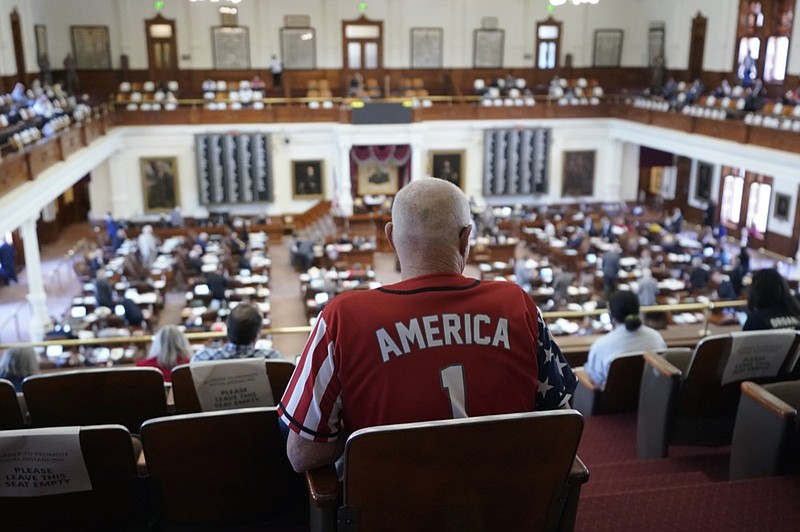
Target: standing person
629	334
71	74
8	261
276	67
244	327
148	248
611	265
770	303
648	289
436	345
170	348
18	363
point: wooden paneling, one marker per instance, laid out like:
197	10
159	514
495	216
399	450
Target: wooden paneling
734	130
92	130
13	171
43	155
782	245
775	138
673	121
71	140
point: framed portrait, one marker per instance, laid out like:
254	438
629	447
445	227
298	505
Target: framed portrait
655	45
487	48
703	184
375	178
40	31
159	183
448	166
782	206
231	47
306	179
426	47
90	47
299	48
607	48
578	173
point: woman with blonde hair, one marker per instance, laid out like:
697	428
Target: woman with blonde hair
18	363
170	348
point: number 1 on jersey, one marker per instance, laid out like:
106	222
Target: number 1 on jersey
453	382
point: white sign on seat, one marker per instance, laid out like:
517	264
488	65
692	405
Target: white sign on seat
757	354
226	384
36	462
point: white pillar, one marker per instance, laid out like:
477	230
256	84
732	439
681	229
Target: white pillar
343	192
40	320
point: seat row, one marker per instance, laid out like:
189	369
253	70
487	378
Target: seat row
740	389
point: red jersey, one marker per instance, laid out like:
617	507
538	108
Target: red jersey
433	347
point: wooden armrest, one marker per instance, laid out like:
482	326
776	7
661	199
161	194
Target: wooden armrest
661	365
584	380
323	486
768	401
579	473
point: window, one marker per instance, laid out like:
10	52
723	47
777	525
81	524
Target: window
758	206
548	43
765	31
730	209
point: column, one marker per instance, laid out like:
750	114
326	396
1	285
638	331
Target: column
343	193
40	320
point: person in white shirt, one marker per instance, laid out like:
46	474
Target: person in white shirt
629	335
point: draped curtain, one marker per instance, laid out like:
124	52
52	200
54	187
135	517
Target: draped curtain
399	155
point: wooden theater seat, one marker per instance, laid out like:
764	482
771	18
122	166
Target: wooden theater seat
222	470
766	437
127	396
183	389
506	472
10	412
113	503
621	392
692	399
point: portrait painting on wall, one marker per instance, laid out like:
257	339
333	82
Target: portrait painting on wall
307	179
90	47
159	183
704	177
448	166
782	206
578	173
375	178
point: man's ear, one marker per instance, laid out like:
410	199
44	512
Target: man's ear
463	243
389	230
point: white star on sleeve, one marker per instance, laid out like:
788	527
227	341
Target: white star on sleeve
544	387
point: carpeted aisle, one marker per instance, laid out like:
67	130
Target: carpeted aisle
688	490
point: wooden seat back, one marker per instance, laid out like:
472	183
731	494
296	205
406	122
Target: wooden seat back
186	401
221	469
110	505
506	472
621	393
127	396
10	412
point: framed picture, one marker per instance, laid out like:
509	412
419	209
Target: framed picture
40	31
578	173
375	178
655	45
487	48
703	185
426	47
299	48
231	47
159	183
90	47
307	179
782	206
607	48
448	166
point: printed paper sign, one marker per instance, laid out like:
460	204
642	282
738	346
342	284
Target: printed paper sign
757	354
226	384
35	462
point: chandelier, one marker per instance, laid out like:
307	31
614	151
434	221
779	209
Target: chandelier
218	1
576	2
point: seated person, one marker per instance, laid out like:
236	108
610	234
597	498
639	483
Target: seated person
629	334
698	275
358	366
169	349
103	292
18	363
133	314
217	283
770	303
243	327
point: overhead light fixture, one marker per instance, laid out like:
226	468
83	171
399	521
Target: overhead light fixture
575	2
217	1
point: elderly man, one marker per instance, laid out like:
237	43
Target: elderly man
244	325
436	345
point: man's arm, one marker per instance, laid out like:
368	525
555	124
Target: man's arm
306	454
557	382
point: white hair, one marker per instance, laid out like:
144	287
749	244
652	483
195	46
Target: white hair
19	362
429	212
168	345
